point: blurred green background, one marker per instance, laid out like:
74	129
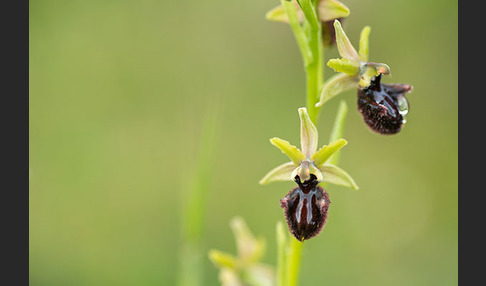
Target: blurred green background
118	94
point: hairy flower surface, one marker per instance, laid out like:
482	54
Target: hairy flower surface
305	208
383	106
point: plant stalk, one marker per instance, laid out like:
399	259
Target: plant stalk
294	256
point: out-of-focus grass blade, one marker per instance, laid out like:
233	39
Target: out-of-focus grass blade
194	195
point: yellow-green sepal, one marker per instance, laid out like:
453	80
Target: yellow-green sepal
335	85
343	65
329	10
308	133
335	175
222	259
277	14
279	173
345	48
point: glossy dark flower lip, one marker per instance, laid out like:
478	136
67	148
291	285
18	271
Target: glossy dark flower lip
306	208
384	106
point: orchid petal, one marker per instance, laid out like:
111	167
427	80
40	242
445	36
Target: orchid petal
288	149
321	156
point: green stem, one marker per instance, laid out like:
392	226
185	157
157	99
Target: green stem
281	254
294	256
299	33
315	68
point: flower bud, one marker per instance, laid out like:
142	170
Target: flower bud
328	33
305	208
383	106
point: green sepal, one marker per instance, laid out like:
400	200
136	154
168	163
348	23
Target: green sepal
279	173
345	48
281	235
346	66
321	156
335	85
364	44
288	149
329	10
335	175
277	14
222	259
308	133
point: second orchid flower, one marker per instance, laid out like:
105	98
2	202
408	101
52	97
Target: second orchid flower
383	106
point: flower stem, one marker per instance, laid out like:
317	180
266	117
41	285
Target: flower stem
315	67
293	261
281	254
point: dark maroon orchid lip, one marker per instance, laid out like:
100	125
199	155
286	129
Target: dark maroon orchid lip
383	106
306	208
